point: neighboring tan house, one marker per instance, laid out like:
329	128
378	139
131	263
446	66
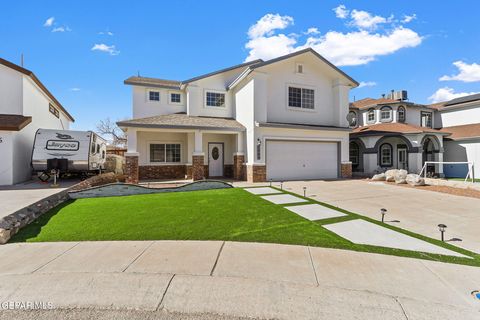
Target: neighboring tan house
461	118
25	106
392	133
281	119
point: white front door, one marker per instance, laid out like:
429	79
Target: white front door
402	159
215	159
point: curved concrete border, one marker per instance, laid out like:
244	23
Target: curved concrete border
126	189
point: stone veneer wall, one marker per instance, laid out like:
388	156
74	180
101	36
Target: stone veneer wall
238	166
198	167
131	169
346	170
255	173
163	172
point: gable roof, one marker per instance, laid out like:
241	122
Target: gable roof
29	73
246	64
394	127
463	132
300	52
370	102
470	98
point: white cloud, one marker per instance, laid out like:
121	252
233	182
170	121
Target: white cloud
312	30
49	22
341	11
355	47
365	20
75	89
106	48
446	94
268	23
61	29
367	84
108	33
409	18
467	72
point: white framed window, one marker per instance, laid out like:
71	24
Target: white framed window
153	95
215	99
401	114
386	114
371	115
386	155
299	68
302	98
175	97
426	119
164	152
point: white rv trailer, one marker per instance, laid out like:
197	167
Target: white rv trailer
67	151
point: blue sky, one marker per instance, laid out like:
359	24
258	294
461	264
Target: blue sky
385	45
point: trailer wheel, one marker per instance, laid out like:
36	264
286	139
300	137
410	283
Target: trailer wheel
44	177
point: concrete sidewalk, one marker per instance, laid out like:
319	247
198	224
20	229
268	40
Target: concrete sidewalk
235	279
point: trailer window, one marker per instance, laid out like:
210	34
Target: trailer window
103	154
98	148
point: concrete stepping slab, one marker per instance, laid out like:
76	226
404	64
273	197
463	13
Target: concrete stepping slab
179	257
315	212
266	261
364	232
262	190
108	256
283	198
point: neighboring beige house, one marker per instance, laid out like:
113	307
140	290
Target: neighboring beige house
282	119
25	106
391	132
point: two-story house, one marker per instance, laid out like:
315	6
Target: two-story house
391	132
25	106
281	119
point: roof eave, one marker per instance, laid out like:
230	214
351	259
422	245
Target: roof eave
167	126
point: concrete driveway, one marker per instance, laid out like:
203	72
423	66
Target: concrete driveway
256	280
16	197
418	210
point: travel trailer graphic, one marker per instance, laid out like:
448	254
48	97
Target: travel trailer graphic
57	152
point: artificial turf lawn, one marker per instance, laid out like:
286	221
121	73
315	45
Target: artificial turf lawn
226	214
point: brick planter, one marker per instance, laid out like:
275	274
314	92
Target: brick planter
346	170
163	172
131	169
238	161
198	167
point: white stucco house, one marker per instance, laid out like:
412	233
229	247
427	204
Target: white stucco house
25	106
391	132
281	119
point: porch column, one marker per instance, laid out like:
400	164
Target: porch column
439	168
131	157
198	157
239	158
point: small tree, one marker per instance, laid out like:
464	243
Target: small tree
114	134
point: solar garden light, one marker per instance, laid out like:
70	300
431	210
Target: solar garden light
270	182
304	191
383	211
281	185
442	228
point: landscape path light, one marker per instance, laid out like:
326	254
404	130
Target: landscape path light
442	228
383	211
304	192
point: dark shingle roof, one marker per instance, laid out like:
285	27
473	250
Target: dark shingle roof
183	121
394	128
13	122
466	131
470	98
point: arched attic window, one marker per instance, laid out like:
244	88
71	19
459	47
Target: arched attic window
386	114
371	115
401	114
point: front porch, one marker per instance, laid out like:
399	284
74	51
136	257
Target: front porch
162	151
371	154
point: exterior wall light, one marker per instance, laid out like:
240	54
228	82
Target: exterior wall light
442	228
383	211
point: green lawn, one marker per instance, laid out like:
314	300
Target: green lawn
463	179
226	214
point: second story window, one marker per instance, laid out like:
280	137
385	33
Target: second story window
426	119
175	97
214	99
154	96
386	114
401	114
301	98
371	116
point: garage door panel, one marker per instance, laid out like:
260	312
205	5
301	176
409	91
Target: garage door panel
300	160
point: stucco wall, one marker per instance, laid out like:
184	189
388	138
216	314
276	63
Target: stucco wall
412	115
462	116
143	107
6	157
10	91
145	138
244	101
464	151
